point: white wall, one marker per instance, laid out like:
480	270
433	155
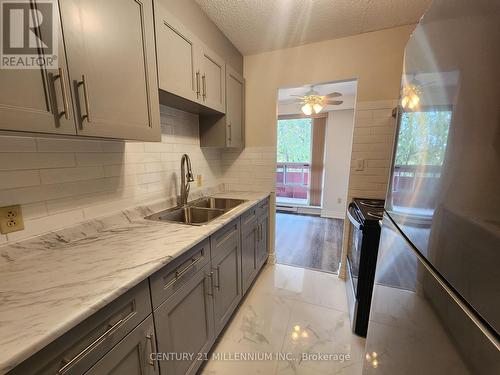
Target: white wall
338	145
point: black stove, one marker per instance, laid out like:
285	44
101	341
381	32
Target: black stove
370	210
364	215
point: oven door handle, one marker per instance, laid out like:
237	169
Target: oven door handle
351	214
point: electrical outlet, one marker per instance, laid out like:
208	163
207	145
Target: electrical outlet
339	200
11	219
199	180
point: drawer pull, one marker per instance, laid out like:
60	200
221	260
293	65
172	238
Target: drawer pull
180	273
217	284
211	287
151	338
70	363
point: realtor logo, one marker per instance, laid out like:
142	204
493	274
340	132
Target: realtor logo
28	34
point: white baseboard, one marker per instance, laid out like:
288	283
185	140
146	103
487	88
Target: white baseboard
333	214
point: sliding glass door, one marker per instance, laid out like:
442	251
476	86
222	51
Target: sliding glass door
293	171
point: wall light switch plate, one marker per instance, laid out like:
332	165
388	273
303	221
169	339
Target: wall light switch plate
360	164
11	219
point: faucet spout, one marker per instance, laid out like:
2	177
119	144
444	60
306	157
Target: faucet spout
186	178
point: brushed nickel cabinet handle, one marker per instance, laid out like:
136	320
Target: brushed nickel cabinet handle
230	138
217	284
64	94
89	348
151	338
83	83
198	84
204	81
211	286
180	273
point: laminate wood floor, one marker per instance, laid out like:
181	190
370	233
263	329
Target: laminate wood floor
308	241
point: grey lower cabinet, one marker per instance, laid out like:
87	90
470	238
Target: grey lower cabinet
131	356
249	240
177	313
263	230
82	347
263	245
185	324
226	266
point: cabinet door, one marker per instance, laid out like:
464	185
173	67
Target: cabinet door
111	57
37	100
235	89
263	245
227	273
213	79
132	355
177	66
248	249
185	324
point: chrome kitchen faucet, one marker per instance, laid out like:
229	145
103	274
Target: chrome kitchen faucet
185	175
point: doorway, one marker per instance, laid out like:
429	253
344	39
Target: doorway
314	137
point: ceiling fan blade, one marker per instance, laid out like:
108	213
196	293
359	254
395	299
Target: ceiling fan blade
333	95
334	102
298	96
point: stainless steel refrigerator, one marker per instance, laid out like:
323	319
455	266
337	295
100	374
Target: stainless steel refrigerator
436	300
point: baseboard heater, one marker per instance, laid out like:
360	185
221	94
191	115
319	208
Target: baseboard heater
287	208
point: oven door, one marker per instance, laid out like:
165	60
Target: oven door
354	245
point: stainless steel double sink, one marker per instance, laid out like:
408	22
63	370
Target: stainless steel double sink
198	212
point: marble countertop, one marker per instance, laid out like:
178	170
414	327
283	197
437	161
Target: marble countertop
50	283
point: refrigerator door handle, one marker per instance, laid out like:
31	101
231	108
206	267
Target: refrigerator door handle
351	214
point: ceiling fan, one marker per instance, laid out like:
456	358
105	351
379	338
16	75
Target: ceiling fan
312	101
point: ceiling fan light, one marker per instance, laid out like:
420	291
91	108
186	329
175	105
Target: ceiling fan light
307	109
317	108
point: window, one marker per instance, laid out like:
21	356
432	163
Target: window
294	140
294	160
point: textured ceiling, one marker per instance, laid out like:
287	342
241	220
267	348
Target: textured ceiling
262	25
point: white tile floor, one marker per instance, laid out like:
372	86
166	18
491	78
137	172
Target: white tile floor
291	311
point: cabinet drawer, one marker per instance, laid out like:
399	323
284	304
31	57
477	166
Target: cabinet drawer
79	349
168	280
248	220
225	239
263	207
132	355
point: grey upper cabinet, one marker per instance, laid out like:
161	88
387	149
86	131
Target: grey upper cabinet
227	131
187	68
226	268
37	100
132	355
213	74
235	114
185	324
111	54
178	70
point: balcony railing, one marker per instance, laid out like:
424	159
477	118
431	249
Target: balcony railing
416	185
292	180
